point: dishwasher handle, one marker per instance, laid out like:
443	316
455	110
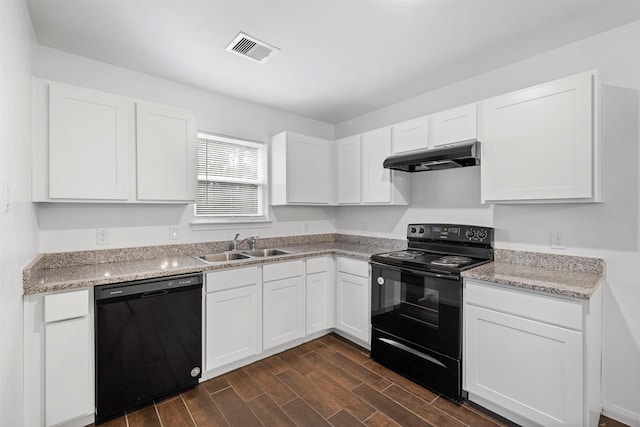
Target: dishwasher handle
155	293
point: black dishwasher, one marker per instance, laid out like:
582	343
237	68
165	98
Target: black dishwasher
148	341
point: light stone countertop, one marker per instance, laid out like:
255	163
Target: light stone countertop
576	277
37	279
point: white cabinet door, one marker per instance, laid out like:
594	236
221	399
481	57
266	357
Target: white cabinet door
283	311
166	153
67	370
352	305
349	170
68	343
319	295
528	367
317	307
455	125
376	180
88	144
231	325
537	143
302	170
410	135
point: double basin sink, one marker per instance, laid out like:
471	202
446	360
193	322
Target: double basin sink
239	255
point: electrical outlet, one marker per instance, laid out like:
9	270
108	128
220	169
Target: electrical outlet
558	240
102	236
174	232
306	227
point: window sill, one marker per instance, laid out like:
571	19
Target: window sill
229	224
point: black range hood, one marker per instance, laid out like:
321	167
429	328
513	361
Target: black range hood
459	154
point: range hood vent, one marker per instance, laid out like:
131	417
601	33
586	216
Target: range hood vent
251	48
460	154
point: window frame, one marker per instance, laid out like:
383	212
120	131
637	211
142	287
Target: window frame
201	221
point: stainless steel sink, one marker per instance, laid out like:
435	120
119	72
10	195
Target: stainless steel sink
223	257
266	252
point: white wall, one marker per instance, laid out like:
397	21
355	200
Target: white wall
610	230
18	232
66	227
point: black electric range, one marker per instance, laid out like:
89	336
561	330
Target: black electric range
416	303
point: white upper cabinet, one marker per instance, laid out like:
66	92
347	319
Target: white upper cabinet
302	170
361	177
88	144
538	144
410	135
376	181
166	153
95	147
379	185
455	125
349	167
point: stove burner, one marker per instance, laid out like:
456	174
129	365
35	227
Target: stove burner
404	254
451	261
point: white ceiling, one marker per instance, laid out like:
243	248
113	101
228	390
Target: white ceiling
338	59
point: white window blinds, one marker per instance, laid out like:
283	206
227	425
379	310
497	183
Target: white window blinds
230	177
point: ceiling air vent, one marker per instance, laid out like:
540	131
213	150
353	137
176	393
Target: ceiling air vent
248	47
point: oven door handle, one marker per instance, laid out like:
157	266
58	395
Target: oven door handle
412	351
415	272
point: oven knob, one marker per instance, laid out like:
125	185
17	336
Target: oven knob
482	234
381	281
470	234
421	230
413	230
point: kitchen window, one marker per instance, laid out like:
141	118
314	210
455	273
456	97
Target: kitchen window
231	179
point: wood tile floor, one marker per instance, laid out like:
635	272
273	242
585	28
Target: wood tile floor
325	382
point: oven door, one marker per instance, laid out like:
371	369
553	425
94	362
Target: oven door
420	307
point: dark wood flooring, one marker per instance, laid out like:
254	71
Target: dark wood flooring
325	382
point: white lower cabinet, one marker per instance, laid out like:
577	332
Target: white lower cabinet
319	295
353	311
282	303
525	355
58	340
232	320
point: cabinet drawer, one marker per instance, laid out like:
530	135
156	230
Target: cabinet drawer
230	279
282	270
66	305
353	266
317	265
543	308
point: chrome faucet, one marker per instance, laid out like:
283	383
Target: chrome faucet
251	241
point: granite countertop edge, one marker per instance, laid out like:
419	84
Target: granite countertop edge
575	277
43	280
574	284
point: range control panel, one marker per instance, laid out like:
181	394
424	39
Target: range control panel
452	232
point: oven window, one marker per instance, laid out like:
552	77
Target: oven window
407	297
419	304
